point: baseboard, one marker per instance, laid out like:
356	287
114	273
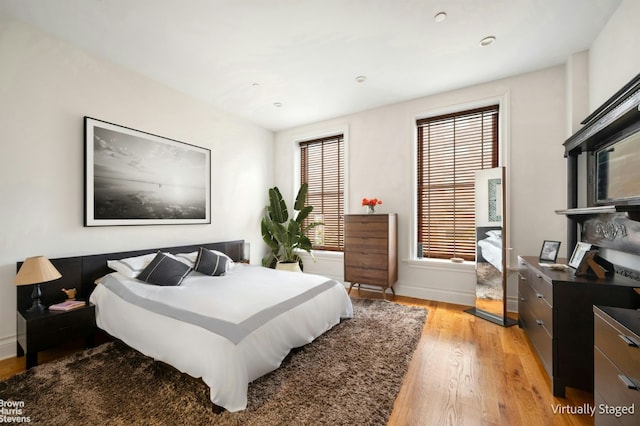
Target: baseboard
8	347
464	298
449	296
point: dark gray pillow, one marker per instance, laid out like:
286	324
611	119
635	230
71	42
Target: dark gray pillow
164	271
210	263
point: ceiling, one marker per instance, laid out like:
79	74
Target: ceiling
285	63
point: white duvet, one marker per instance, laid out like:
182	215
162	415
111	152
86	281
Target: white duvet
227	330
491	249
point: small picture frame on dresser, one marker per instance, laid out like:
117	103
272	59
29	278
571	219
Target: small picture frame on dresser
549	251
578	255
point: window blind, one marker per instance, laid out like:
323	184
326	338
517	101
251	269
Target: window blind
322	168
451	148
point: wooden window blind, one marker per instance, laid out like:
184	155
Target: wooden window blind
451	148
322	168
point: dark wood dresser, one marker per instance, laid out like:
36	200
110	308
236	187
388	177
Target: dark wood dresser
555	310
617	365
371	250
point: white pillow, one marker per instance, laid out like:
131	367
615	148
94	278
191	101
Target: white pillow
193	256
497	234
189	258
131	266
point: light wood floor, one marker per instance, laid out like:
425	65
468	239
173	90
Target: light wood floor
465	371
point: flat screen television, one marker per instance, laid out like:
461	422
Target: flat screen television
617	171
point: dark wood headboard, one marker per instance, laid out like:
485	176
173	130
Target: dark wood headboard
80	272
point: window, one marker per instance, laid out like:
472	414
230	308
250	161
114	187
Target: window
450	149
322	168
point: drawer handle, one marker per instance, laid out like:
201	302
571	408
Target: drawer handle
522	299
538	275
628	341
628	382
539	296
539	322
521	277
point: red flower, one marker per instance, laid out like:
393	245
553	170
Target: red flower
371	202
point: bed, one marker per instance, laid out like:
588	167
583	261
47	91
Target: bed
490	247
227	329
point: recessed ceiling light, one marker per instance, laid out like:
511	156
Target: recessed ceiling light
440	16
487	41
277	104
361	78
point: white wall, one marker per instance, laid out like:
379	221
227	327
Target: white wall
613	62
545	108
380	163
614	59
46	87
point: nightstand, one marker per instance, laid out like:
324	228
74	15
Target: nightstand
38	331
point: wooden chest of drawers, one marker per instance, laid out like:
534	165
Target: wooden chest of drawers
370	250
616	365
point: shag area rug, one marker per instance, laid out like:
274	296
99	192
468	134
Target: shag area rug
349	375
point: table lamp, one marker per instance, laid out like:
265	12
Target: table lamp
36	270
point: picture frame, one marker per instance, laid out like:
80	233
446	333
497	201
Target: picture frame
495	199
549	251
133	177
578	255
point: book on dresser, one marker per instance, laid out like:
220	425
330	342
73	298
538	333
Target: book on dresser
67	305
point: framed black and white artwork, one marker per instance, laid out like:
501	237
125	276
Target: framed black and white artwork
138	178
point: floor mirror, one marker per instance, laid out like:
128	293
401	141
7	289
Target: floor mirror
491	254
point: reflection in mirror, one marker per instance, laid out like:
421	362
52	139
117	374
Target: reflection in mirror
618	170
491	278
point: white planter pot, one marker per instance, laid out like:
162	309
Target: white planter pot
286	266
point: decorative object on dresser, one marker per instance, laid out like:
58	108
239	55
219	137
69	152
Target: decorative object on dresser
555	312
549	251
578	254
370	250
137	178
36	270
616	365
371	204
69	293
585	260
67	305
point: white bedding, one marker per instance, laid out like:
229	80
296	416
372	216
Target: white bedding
491	249
227	330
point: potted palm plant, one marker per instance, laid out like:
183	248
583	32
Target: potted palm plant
285	235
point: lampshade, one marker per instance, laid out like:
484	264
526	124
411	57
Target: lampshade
36	270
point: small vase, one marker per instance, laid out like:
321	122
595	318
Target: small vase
371	209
